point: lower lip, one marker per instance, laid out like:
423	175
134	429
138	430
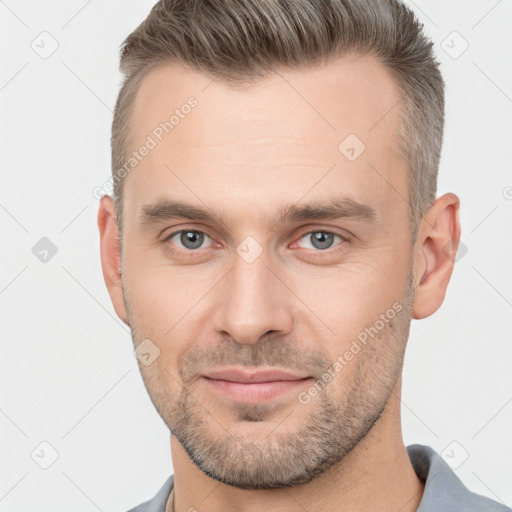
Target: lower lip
256	391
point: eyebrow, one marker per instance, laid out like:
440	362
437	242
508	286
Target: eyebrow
168	209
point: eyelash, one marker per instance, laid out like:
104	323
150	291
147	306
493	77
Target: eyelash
197	252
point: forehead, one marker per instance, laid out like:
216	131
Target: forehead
294	133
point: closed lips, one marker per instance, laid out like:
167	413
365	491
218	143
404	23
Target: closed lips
253	378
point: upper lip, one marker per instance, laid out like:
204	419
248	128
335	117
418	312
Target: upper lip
235	375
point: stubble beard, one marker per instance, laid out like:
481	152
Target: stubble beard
338	418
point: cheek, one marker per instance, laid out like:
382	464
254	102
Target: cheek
149	303
159	291
164	304
356	295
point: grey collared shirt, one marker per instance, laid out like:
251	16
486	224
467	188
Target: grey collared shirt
444	492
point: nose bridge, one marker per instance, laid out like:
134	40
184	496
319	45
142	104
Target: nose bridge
254	301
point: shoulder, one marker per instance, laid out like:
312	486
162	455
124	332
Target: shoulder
159	501
444	491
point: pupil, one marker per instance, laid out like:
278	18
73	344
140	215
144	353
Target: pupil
187	239
322	240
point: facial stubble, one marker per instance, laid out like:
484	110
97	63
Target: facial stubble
337	418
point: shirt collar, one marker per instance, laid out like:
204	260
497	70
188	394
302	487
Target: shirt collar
444	492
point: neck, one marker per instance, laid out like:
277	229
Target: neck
376	475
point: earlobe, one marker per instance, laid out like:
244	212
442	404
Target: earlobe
435	250
110	254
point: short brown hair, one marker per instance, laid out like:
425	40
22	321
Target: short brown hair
240	41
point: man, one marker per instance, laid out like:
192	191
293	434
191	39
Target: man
273	231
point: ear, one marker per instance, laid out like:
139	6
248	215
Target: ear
434	254
111	255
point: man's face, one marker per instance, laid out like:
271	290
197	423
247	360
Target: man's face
252	291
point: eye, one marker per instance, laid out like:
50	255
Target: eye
321	239
189	238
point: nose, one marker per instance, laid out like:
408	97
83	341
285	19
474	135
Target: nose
253	301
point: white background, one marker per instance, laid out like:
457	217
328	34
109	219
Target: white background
67	373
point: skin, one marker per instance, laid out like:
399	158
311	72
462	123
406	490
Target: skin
245	154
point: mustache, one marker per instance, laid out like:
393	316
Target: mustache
270	351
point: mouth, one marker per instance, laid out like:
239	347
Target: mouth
253	387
